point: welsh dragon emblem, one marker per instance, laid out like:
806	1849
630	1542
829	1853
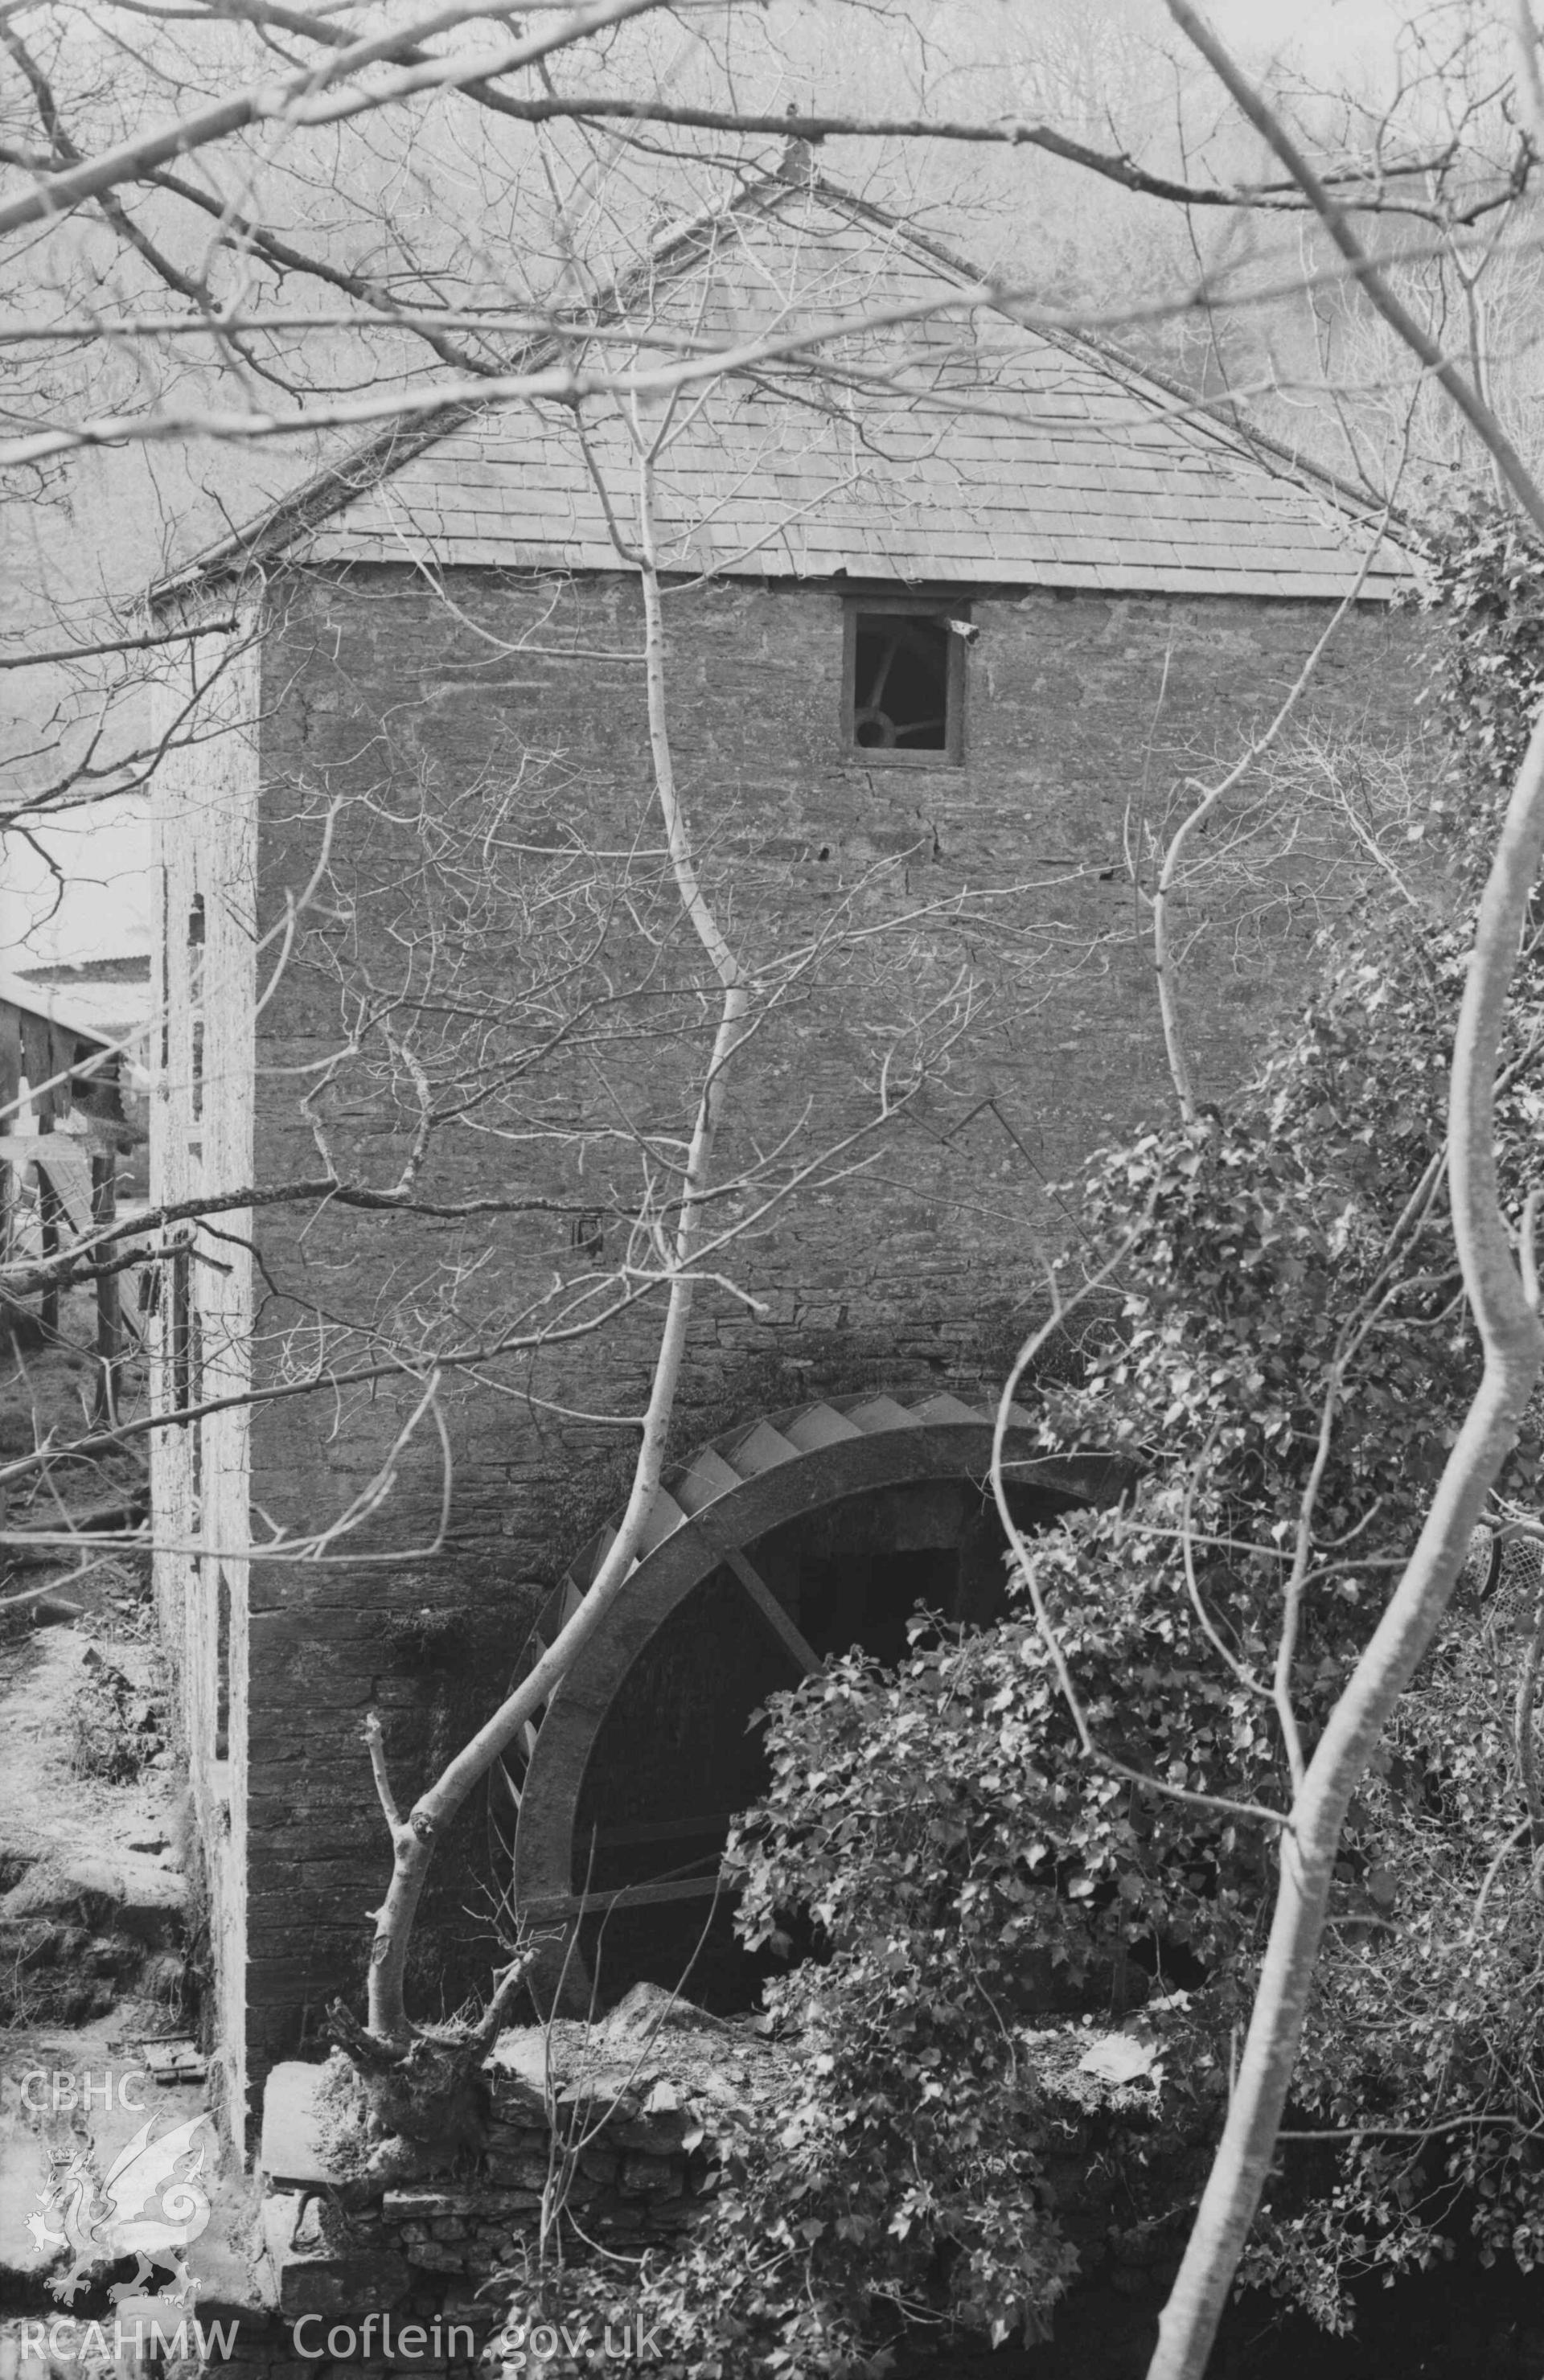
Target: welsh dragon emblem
144	2209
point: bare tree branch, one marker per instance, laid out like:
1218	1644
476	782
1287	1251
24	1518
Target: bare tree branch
300	98
1369	275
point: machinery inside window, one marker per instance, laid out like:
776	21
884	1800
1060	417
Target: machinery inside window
905	683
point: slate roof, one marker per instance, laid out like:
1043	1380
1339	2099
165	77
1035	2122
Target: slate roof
963	449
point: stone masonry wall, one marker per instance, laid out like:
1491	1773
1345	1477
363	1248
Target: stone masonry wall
609	2139
389	712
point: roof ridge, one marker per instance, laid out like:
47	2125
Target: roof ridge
336	484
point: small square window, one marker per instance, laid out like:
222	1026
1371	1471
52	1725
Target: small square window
905	684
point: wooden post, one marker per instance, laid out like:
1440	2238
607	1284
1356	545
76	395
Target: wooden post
49	1206
109	1321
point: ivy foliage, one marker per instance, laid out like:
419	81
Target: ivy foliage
1487	588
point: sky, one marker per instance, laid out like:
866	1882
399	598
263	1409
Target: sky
103	911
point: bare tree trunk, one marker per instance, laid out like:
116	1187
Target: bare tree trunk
413	1838
1504	1307
1165	965
1513	1340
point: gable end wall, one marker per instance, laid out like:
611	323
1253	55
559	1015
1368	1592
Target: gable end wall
1083	710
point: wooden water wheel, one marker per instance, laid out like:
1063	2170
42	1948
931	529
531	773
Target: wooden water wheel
773	1547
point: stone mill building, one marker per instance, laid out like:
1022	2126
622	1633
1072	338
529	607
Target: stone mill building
954	608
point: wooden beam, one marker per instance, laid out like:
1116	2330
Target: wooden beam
771	1611
625	1896
663	1830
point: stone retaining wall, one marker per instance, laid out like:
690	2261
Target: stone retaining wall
612	2133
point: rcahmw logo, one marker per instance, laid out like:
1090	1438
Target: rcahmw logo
64	2341
151	2206
61	2089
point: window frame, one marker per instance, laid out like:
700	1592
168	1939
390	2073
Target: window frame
939	608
